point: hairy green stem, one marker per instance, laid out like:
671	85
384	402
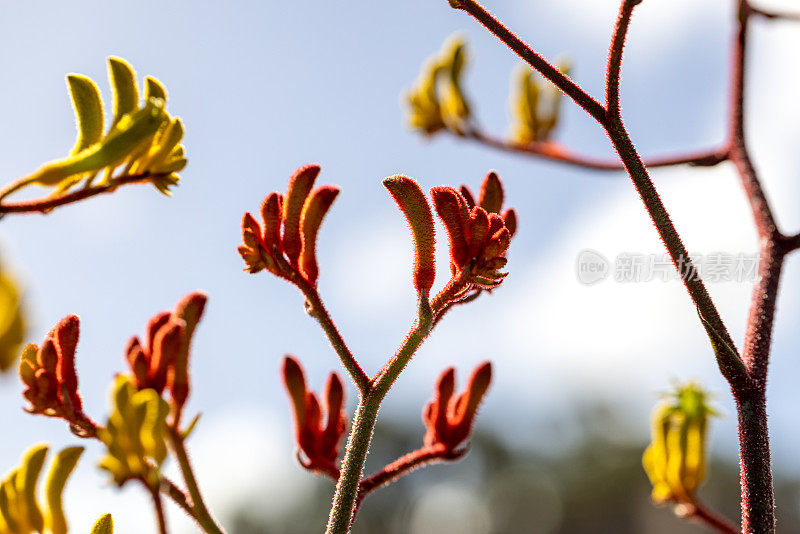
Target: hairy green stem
201	513
358	442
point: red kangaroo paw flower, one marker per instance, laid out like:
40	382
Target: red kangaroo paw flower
315	209
414	206
287	245
165	348
295	382
486	233
318	444
300	185
478	229
190	310
271	215
164	363
467	194
491	196
48	373
452	210
510	218
449	421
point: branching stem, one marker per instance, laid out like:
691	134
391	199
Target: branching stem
746	374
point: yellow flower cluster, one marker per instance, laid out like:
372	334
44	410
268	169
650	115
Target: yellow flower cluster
535	105
12	322
142	139
437	100
134	435
675	461
20	512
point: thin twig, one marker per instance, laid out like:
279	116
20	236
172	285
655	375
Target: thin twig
405	465
159	507
46	204
699	513
320	313
558	78
792	243
171	490
556	152
775	15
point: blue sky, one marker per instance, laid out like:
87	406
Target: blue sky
264	87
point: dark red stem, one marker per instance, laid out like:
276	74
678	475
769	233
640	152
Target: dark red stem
44	205
712	520
553	151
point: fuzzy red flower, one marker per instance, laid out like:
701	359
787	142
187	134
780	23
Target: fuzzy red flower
317	436
449	420
286	246
479	235
48	372
162	363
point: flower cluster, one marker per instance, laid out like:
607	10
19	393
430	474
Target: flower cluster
143	139
286	246
163	362
675	461
135	434
20	510
48	372
479	235
437	101
318	435
535	105
449	419
12	322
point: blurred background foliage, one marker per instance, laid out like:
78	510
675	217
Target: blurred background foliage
594	483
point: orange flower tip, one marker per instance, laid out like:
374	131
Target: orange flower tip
510	218
48	356
446	383
412	202
316	207
190	308
271	205
154	325
449	205
293	375
300	185
249	223
481	377
467	194
334	393
69	323
491	195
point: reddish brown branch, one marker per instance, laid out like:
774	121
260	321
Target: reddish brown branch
403	466
775	15
553	151
46	204
791	243
747	375
559	79
700	514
